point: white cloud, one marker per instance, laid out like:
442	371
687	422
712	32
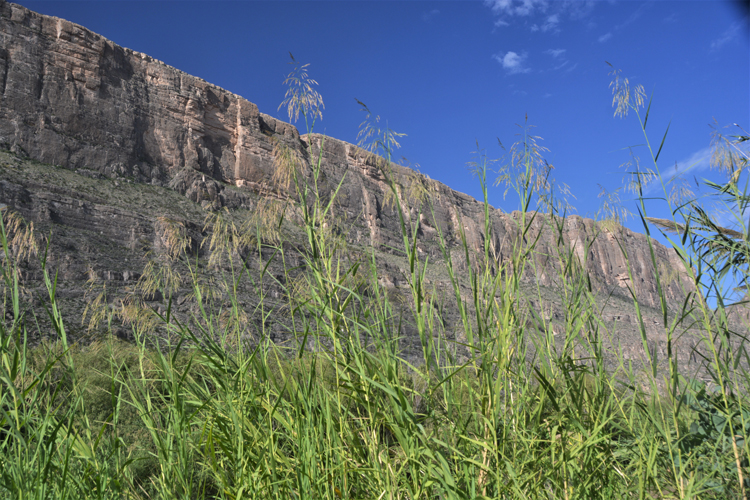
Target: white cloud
696	162
555	52
546	15
516	7
512	62
731	34
605	37
551	24
498	6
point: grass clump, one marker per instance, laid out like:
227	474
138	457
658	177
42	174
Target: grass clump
513	406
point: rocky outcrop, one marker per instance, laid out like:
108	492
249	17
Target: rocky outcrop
126	144
73	98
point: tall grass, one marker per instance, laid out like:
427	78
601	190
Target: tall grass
499	409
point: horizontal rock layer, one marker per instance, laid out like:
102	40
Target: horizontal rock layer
73	98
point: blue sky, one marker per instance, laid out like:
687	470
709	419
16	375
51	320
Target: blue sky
451	74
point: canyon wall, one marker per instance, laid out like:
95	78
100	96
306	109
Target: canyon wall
72	98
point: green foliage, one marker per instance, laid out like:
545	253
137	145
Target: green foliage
712	436
500	409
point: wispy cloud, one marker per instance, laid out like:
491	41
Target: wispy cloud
559	57
634	16
543	16
730	35
644	6
696	162
512	62
516	7
550	24
428	16
579	9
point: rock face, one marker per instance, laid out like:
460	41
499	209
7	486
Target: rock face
73	99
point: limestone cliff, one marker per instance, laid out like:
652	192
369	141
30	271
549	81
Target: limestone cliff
123	139
73	98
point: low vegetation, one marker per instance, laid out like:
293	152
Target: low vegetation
217	410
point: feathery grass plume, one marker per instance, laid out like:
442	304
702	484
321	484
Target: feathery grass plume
21	237
727	155
207	287
228	240
134	312
159	277
680	192
172	236
612	213
725	248
624	97
266	222
393	196
159	273
635	177
527	168
379	140
97	310
529	175
413	189
286	162
301	97
420	190
224	236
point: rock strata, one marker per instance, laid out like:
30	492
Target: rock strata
113	120
72	98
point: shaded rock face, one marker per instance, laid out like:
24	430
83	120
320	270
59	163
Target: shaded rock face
73	98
